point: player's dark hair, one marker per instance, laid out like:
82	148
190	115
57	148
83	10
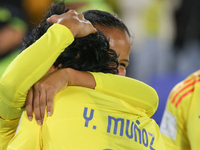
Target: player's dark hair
90	53
105	19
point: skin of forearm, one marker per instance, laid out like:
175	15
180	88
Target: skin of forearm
79	78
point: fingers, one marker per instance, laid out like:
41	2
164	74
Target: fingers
91	27
29	104
50	99
53	19
36	104
40	96
89	24
76	22
65	16
80	16
42	103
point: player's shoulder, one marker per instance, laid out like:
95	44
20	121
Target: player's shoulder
185	89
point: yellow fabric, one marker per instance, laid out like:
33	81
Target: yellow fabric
21	75
16	80
69	127
181	119
87	119
130	90
7	131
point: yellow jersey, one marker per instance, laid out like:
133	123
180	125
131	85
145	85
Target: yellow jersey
181	119
21	75
116	115
88	119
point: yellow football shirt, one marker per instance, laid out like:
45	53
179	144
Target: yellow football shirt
181	119
134	103
89	119
21	75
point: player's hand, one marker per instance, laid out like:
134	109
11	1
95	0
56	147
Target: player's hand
76	22
41	95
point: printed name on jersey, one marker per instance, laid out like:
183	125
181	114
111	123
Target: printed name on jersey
168	125
123	127
184	89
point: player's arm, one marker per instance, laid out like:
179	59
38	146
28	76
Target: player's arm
134	92
7	131
32	64
131	91
26	69
27	136
36	60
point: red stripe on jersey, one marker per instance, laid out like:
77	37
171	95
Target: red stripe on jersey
182	90
173	100
178	88
188	92
185	94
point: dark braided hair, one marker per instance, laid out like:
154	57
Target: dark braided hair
89	53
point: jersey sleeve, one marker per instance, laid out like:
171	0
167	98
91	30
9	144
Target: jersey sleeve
7	131
134	92
176	126
29	67
27	136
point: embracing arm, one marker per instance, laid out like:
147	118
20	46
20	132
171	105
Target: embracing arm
36	60
28	68
32	64
132	91
22	73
